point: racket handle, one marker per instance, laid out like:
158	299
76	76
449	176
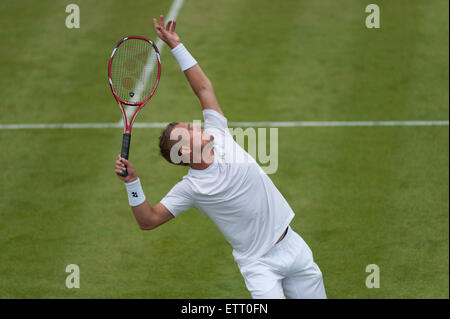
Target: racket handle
125	151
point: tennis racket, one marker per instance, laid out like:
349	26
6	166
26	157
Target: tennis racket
134	70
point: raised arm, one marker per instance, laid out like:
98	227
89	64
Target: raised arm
199	82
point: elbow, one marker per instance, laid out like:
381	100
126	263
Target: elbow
146	227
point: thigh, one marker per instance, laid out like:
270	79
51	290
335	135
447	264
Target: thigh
305	284
304	278
275	293
260	278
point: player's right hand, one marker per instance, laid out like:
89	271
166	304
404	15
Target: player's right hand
120	166
167	33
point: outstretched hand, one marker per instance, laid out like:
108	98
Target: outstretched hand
167	33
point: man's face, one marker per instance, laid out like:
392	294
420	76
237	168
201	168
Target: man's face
198	138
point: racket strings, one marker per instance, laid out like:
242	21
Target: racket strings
134	70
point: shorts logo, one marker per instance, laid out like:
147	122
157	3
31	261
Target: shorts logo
134	194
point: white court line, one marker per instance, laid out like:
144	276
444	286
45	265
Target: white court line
340	123
151	62
232	124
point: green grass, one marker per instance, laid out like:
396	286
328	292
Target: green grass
361	195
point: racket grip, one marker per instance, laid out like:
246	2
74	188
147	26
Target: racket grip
125	150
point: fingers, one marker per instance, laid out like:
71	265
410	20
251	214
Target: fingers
124	160
120	165
158	28
161	21
121	161
124	163
155	23
164	30
170	26
119	170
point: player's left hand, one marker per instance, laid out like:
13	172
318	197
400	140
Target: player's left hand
167	33
120	166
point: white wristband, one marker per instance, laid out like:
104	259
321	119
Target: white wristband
184	58
135	193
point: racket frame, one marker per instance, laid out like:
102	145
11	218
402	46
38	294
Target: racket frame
128	126
120	102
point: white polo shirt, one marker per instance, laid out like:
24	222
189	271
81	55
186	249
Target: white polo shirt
235	193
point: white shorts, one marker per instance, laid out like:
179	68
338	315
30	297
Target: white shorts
287	270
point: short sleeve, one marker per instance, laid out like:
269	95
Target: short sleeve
214	119
179	198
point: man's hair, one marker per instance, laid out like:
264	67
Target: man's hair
166	144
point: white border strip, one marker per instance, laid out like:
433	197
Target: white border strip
233	124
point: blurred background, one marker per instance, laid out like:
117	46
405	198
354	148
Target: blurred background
362	195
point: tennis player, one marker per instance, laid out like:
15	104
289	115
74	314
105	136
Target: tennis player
227	185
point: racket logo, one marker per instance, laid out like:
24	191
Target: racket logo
131	64
128	83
